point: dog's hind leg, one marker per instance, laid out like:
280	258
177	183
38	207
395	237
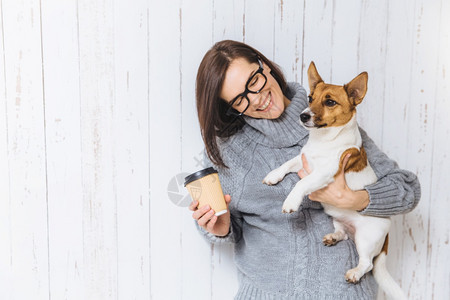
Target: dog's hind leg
338	235
364	266
368	244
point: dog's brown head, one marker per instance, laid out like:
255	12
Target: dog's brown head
332	105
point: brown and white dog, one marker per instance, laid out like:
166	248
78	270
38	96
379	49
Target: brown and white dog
331	121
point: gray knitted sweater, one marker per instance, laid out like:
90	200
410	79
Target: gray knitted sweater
281	256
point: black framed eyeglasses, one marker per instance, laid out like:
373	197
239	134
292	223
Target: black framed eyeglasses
254	85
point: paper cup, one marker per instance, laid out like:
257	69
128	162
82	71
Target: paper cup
204	186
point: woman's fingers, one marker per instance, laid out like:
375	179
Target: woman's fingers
305	164
341	176
200	212
193	206
203	220
344	162
302	174
227	201
210	224
305	170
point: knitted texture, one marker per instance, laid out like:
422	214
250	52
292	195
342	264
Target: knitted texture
281	256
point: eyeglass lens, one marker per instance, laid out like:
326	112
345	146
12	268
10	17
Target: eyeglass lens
256	83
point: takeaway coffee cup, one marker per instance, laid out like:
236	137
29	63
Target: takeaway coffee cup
204	186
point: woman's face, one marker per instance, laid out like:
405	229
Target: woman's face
269	103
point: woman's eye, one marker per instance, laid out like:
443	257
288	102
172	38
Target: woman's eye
238	101
254	81
330	103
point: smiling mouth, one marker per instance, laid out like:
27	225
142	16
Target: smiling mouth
266	104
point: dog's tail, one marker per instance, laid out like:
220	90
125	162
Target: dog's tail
385	280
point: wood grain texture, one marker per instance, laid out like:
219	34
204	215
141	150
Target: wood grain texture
165	117
61	84
98	116
131	158
6	278
27	223
97	109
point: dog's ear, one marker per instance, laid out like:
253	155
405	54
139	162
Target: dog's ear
313	77
357	88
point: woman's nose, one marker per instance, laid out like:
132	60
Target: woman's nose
254	98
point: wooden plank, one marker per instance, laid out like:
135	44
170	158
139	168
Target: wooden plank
6	270
26	205
438	277
63	139
165	149
96	44
131	148
419	145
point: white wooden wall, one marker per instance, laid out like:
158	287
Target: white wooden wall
97	115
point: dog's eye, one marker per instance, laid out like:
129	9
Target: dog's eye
310	99
330	103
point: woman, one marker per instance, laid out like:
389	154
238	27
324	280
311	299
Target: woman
249	120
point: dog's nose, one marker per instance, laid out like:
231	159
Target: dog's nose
304	117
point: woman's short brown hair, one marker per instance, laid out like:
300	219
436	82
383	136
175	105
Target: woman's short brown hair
211	109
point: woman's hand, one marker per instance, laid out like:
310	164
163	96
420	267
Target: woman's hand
206	218
337	193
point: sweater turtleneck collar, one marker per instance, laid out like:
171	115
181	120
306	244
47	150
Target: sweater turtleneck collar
285	131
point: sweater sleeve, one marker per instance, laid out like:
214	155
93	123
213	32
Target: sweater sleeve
397	191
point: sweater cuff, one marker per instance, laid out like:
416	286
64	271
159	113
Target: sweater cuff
214	239
383	200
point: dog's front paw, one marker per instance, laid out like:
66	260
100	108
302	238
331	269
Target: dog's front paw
353	275
332	239
287	208
273	177
292	203
329	240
